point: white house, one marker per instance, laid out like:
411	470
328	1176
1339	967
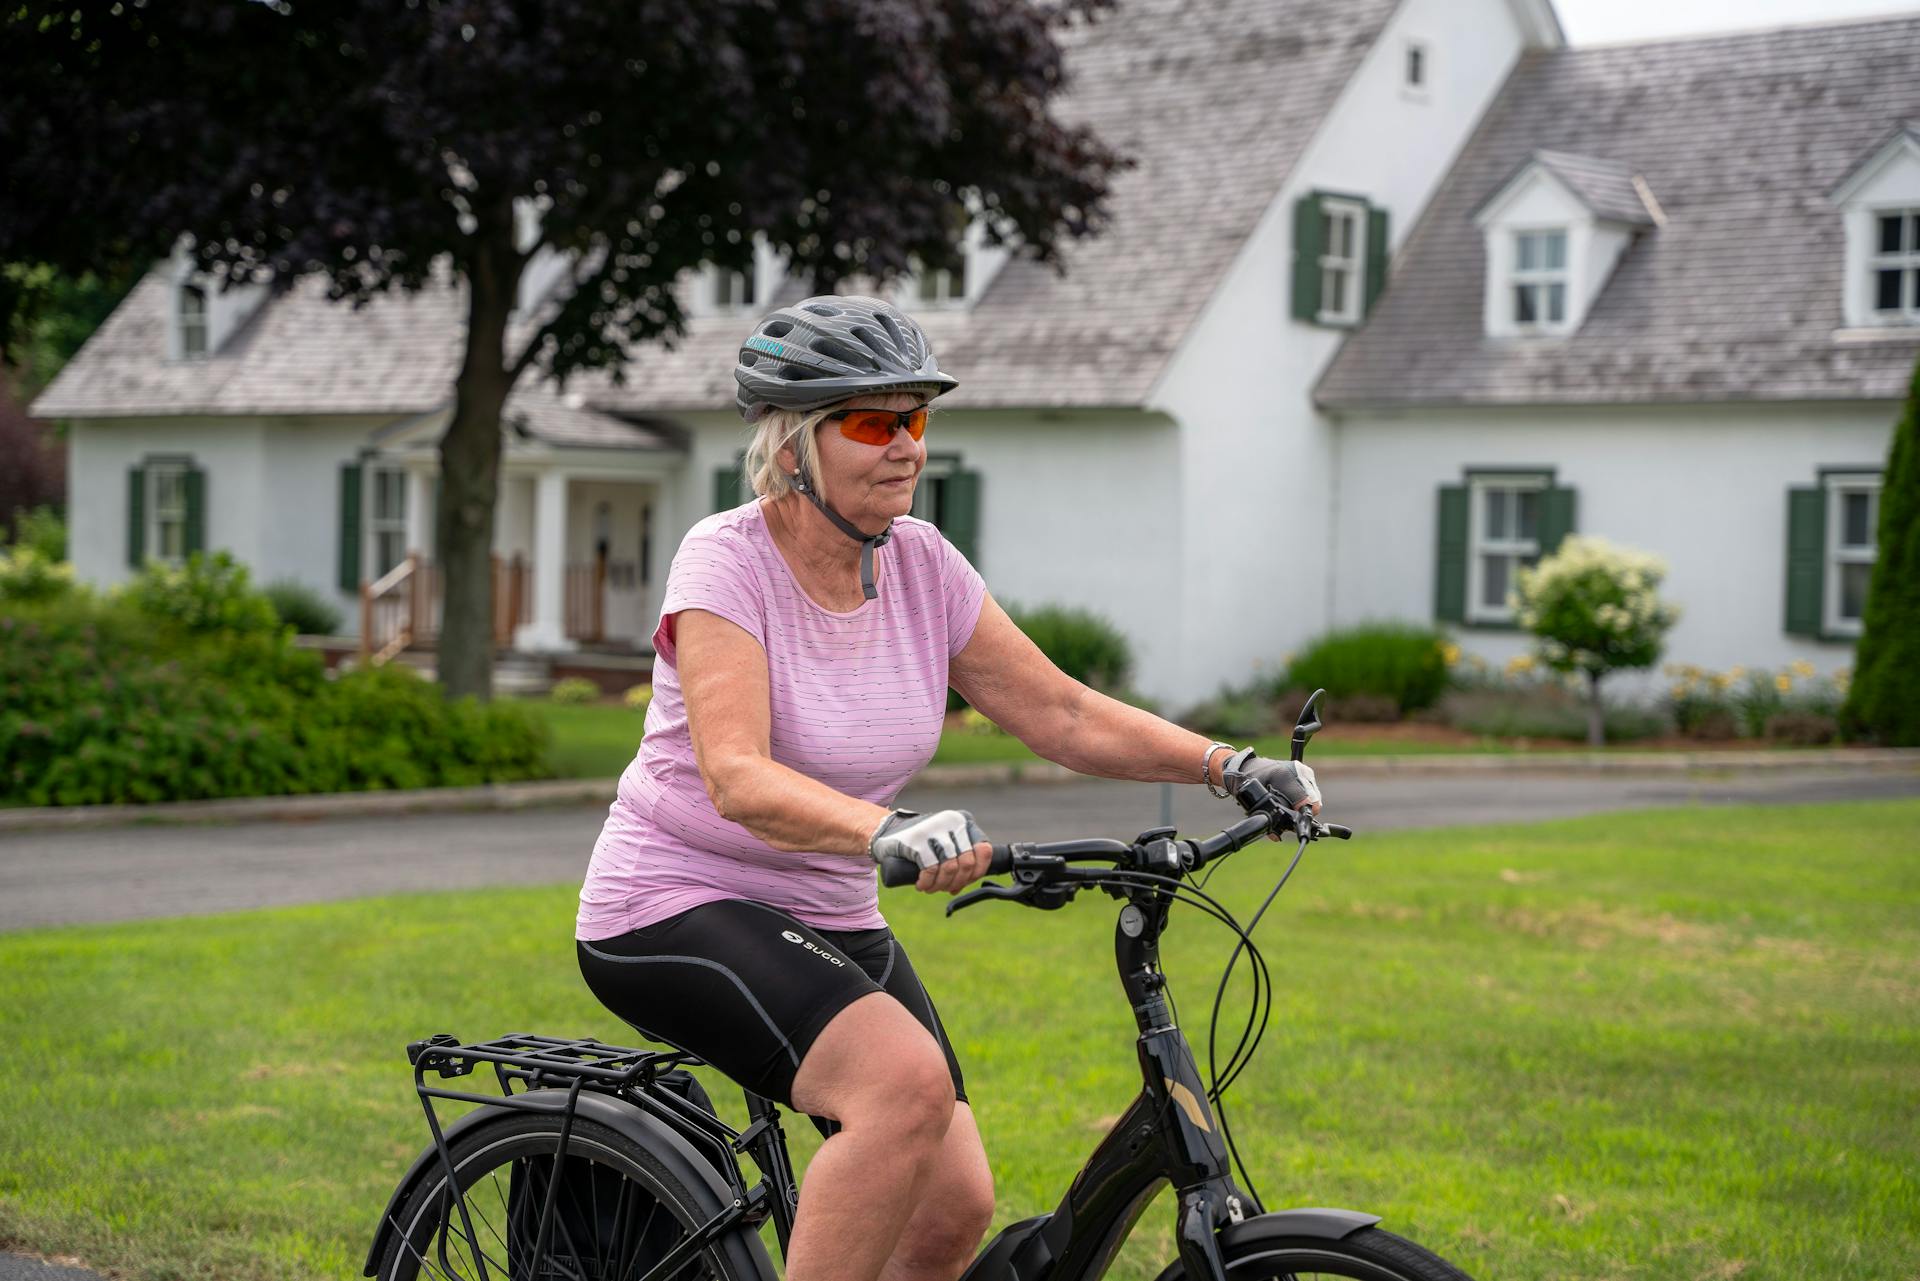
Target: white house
1238	417
1669	294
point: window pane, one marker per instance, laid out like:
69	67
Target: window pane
1890	233
172	539
1886	290
1913	233
168	496
1528	503
1853	589
1333	287
1855	516
1496	518
1913	290
1556	249
1493	581
1556	303
1523	304
388	550
1416	68
1527	250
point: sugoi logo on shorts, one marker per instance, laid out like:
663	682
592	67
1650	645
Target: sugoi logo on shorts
820	952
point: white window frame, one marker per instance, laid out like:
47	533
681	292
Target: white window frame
719	299
1837	554
1541	278
1350	266
1905	260
195	325
160	518
392	524
1514	547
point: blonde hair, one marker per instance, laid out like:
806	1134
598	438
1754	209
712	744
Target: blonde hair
780	429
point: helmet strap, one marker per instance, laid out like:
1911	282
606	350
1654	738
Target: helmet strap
867	541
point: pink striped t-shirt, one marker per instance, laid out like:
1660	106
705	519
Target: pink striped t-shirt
857	699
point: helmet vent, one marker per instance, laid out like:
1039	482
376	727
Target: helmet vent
900	344
875	343
777	328
841	352
749	358
822	309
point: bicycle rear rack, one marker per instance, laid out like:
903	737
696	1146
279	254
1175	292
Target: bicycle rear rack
543	1063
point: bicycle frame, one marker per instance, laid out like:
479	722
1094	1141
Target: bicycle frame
1167	1135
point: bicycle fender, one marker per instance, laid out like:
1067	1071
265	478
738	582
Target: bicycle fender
694	1172
1317	1222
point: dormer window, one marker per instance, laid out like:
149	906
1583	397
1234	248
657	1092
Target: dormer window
1554	231
729	290
939	287
1896	264
1540	280
955	287
1879	204
193	321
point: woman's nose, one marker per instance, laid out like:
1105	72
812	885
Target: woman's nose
903	446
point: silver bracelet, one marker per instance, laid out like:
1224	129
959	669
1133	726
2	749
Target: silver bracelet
1206	768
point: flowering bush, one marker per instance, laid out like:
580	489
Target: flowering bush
1594	608
27	574
638	698
1794	703
574	690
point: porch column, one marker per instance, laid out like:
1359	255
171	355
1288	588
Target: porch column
420	513
548	630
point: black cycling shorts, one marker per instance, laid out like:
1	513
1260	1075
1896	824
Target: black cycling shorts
748	988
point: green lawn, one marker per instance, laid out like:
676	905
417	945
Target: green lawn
597	741
1680	1044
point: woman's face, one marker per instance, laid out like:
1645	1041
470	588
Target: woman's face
870	484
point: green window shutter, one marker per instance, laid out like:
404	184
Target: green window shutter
1557	512
1306	258
136	517
349	562
728	482
194	483
1806	559
1450	556
961	514
1376	255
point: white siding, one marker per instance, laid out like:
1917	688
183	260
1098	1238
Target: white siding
1704	487
1256	460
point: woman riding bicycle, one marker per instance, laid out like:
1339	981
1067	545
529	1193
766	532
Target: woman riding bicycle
805	647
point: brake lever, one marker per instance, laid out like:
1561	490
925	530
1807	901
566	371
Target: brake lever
987	890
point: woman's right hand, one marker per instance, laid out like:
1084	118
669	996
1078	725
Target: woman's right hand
948	847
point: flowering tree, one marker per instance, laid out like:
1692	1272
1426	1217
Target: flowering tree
1594	608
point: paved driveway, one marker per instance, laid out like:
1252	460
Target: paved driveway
113	874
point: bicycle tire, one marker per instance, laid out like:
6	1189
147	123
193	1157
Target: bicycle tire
1370	1254
503	1170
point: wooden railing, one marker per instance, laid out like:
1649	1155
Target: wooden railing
404	606
586	608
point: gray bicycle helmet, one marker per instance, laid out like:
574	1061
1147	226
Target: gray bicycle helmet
829	348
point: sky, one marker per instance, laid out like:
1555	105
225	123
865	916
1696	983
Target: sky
1610	21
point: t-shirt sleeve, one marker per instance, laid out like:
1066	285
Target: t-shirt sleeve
714	571
965	591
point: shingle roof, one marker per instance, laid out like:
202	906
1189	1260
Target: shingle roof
1215	99
1736	297
538	414
1604	186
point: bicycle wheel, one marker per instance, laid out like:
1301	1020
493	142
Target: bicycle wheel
618	1211
1367	1255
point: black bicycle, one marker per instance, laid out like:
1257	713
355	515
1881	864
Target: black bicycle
597	1162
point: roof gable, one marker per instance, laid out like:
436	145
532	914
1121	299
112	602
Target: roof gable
1608	190
1738	296
1903	140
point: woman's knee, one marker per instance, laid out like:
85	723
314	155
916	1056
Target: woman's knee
875	1068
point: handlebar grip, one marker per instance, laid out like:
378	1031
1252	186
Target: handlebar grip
896	871
1344	833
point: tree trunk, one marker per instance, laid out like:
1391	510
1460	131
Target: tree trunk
1596	715
470	469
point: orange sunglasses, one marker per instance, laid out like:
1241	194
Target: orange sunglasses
876	426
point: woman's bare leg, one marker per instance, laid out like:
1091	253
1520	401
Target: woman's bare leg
955	1209
881	1075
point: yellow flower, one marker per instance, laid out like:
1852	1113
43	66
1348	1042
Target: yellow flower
1450	654
1784	682
1721	681
1803	669
1736	672
1519	664
1679	690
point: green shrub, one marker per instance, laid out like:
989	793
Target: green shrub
44	530
102	703
302	608
574	690
1398	661
638	697
1883	703
209	593
1246	712
1080	643
976	722
28	576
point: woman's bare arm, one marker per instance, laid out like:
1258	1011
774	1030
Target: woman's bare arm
1004	674
723	678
